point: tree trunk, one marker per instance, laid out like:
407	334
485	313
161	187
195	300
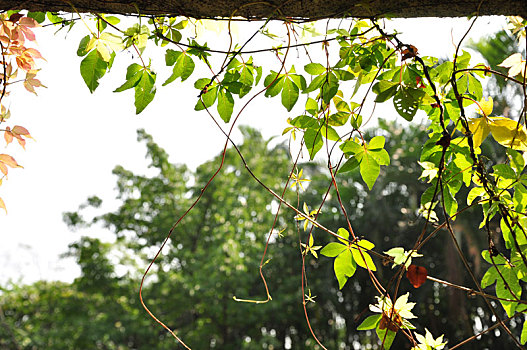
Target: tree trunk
279	9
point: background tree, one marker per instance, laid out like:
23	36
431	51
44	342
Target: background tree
215	255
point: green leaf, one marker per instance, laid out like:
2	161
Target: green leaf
311	106
82	50
398	255
523	337
299	81
315	83
351	147
363	243
342	232
330	87
333	249
171	56
381	156
384	90
201	83
53	18
376	143
489	278
329	133
497	259
246	76
406	102
183	68
344	267
258	75
37	16
314	68
369	323
137	35
207	99
505	171
338	119
133	76
304	122
225	105
289	94
443	72
511	290
273	86
369	170
93	68
351	164
112	20
387	336
516	159
145	91
107	44
313	141
450	201
474	87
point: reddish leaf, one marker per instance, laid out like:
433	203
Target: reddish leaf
18	132
30	83
15	17
409	52
416	275
7	160
29	22
393	321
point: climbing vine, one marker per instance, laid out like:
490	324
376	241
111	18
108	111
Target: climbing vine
353	64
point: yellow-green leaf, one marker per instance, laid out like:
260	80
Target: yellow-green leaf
509	133
363	260
480	129
485	106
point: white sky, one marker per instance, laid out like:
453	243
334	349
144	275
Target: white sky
81	137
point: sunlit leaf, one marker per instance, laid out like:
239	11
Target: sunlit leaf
369	323
480	129
363	259
333	249
515	63
485	106
314	68
509	133
344	267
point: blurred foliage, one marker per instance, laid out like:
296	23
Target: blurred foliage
215	254
493	49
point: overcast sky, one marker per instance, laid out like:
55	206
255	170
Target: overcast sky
80	137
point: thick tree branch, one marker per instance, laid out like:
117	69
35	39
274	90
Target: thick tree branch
298	9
